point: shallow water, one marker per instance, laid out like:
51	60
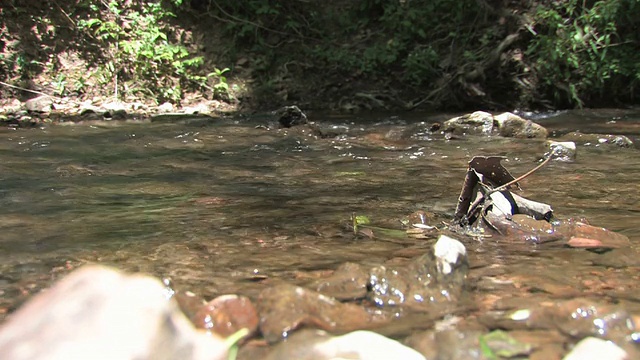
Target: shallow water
227	207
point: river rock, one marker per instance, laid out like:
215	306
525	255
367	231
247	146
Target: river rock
348	282
436	277
166	107
596	349
40	104
562	150
588	236
598	139
511	125
115	110
289	116
100	313
477	123
226	315
581	317
285	308
318	345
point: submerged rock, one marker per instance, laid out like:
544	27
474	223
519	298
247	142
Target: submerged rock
436	277
97	312
285	308
364	345
598	139
348	282
226	315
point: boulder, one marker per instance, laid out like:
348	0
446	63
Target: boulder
40	104
562	150
100	313
477	123
512	125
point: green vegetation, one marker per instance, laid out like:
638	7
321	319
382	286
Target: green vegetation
139	51
367	54
587	52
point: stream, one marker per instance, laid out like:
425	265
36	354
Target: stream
231	206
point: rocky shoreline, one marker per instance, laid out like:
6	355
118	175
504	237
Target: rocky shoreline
46	109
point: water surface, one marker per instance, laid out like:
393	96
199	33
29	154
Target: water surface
227	206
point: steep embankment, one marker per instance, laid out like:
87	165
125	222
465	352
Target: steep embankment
334	54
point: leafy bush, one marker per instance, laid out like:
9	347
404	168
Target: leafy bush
586	51
142	59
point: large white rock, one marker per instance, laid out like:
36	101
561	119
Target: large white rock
100	313
592	348
357	345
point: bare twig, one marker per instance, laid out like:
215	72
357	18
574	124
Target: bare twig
23	89
504	186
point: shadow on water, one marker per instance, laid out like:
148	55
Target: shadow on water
212	205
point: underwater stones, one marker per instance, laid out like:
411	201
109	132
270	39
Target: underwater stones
319	345
598	139
511	125
587	236
348	281
100	313
226	315
285	308
436	277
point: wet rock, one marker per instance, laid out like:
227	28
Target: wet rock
595	349
582	317
289	116
436	277
40	104
188	302
97	311
503	345
285	308
348	282
226	315
511	125
587	236
562	150
618	258
598	139
477	123
318	345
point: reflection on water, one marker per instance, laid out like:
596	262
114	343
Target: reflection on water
214	205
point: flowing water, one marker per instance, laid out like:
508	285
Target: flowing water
227	206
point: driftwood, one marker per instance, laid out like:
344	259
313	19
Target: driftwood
490	182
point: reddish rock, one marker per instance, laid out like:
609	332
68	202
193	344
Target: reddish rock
226	315
588	236
285	308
